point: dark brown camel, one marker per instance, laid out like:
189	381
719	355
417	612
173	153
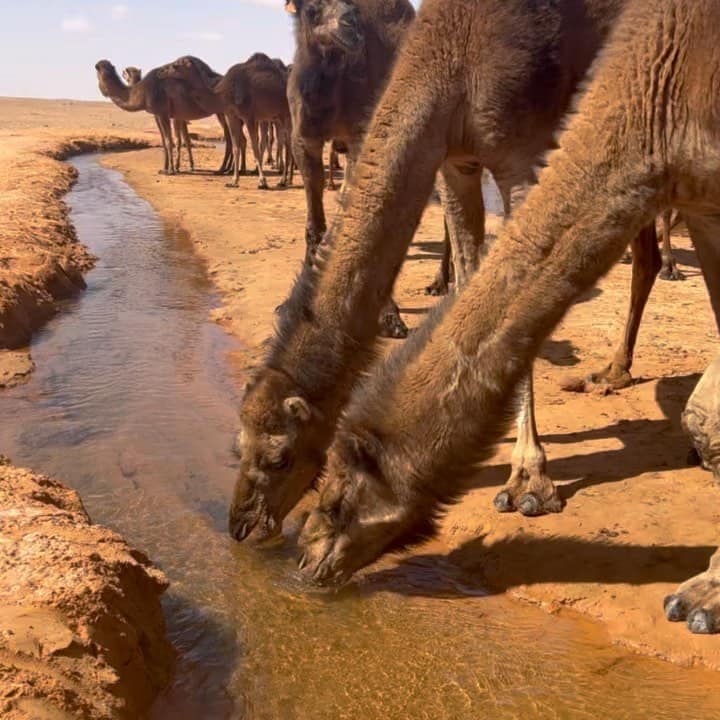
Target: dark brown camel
345	52
162	95
253	92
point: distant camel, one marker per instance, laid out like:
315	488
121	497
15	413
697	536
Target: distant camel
132	76
164	97
249	93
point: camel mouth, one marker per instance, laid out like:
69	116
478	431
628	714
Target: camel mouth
322	574
256	522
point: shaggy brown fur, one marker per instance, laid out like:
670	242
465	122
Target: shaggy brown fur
165	96
464	88
645	137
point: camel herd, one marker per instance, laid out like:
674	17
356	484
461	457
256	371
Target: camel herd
605	109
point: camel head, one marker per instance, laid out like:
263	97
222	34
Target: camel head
132	75
108	79
358	518
328	25
279	461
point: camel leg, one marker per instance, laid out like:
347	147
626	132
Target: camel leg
253	129
164	145
188	146
697	601
529	489
669	270
179	136
227	162
263	134
646	263
331	169
308	155
506	195
441	284
282	146
166	134
461	195
270	142
281	143
238	142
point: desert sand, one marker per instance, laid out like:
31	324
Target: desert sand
638	519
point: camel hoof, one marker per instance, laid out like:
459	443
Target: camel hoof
503	502
392	326
671	274
530	505
675	608
262	185
437	289
693	458
232	185
702	622
626	259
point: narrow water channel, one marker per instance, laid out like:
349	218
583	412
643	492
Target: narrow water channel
132	405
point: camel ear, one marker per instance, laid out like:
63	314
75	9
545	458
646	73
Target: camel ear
297	408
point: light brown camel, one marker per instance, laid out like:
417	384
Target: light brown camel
423	124
645	137
161	95
133	75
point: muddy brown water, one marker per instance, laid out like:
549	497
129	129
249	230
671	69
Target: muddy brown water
133	405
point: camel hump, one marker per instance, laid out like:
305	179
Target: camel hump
190	69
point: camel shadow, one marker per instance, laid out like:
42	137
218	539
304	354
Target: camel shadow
657	445
686	257
559	352
431	248
529	561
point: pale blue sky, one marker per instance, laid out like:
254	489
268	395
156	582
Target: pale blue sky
48	48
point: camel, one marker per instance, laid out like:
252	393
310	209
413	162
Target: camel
205	93
421	125
644	138
162	96
250	93
345	51
133	75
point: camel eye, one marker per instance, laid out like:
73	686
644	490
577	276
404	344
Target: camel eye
281	463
